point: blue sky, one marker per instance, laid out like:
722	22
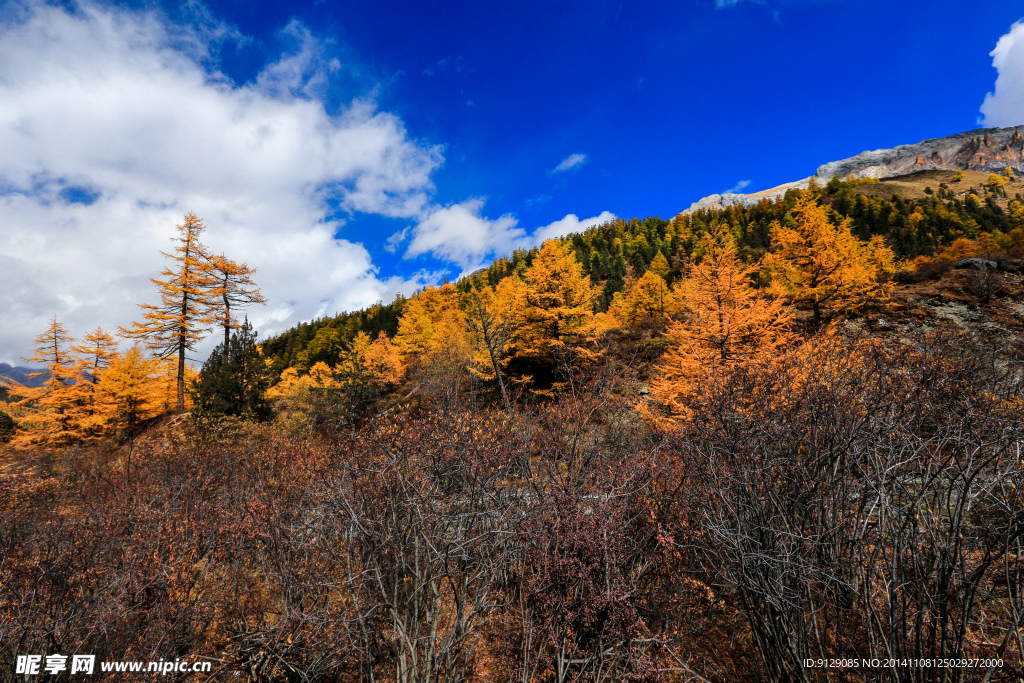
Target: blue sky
351	150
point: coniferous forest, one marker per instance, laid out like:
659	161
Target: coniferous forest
778	443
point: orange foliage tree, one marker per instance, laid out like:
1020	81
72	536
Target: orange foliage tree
434	340
49	420
823	265
648	297
495	317
376	362
129	390
383	363
186	309
232	286
728	323
559	301
429	320
92	357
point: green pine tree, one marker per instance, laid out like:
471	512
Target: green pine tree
234	380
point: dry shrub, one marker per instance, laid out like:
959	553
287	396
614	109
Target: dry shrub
864	500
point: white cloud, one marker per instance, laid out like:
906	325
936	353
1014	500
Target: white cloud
113	124
458	233
571	161
1005	106
738	187
123	107
395	240
569	224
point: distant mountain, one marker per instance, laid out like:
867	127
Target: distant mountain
7	387
20	375
985	149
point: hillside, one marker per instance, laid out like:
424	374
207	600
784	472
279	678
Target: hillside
920	213
304	550
710	448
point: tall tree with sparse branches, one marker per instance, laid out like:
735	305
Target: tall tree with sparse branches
233	288
187	302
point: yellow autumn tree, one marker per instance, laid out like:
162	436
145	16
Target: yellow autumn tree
823	265
129	390
375	362
649	297
1016	211
383	363
728	323
48	421
232	288
559	302
659	266
93	354
434	341
187	303
165	383
428	317
494	316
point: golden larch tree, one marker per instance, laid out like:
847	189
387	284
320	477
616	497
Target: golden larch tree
427	320
494	316
129	390
48	422
559	300
659	266
92	356
434	341
728	322
823	265
187	307
383	363
232	288
648	297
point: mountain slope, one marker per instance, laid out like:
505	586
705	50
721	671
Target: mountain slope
20	375
986	149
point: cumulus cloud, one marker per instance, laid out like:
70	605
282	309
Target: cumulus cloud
738	187
114	124
460	234
1005	106
569	224
570	162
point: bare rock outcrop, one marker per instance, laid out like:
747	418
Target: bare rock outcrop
986	149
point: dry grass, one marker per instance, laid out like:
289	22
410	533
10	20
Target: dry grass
912	186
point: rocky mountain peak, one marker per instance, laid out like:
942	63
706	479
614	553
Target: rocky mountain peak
985	149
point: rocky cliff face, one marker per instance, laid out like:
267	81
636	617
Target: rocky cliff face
986	149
